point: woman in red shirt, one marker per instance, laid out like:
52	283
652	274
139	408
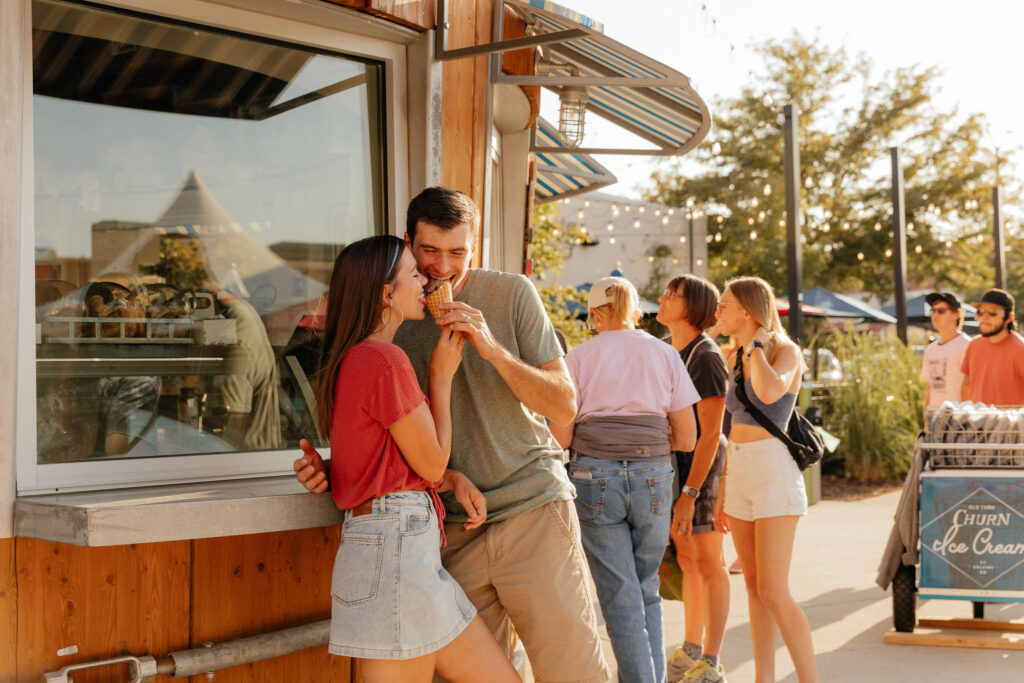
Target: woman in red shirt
393	605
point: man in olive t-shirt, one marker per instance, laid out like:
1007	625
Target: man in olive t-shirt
525	566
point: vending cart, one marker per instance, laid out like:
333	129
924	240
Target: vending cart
971	507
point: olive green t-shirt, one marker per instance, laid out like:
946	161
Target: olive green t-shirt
504	448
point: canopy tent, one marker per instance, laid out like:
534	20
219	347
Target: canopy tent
841	306
782	306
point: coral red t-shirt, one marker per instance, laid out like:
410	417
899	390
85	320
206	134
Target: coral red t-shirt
995	371
376	388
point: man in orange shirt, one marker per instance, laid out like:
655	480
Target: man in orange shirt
993	364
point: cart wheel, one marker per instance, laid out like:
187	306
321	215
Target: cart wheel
904	599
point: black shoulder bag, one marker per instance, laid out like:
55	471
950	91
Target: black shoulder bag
801	438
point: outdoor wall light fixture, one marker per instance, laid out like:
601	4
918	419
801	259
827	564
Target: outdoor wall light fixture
572	112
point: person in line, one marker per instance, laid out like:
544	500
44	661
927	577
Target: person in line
993	364
634	407
393	606
762	487
525	565
940	368
687	307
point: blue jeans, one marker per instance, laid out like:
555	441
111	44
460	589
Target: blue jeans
624	510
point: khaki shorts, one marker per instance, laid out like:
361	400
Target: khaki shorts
530	572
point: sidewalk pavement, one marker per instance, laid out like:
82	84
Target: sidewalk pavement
838	547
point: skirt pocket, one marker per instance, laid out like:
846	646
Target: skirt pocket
357	569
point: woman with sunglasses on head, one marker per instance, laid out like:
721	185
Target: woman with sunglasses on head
634	399
687	307
762	487
393	605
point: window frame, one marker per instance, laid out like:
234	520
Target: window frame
315	25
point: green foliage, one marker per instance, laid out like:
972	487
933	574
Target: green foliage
848	120
549	247
877	410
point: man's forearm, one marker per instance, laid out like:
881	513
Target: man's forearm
548	392
703	458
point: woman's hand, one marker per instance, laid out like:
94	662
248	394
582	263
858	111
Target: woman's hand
309	469
468	495
447	355
721	519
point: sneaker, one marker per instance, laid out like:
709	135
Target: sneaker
678	664
702	672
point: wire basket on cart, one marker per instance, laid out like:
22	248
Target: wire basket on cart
975	435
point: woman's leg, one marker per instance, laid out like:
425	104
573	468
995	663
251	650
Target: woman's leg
693	589
474	651
762	624
609	547
398	671
715	580
649	517
774	551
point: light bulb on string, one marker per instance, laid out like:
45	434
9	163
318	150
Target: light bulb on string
610	227
671	212
675	261
628	208
767	189
579	214
641	209
888	253
650	259
725	262
720	219
664	220
718	237
700	262
636	224
878	226
682	240
753	234
860	255
611	240
918	249
754	202
750	221
657	212
586	203
615	212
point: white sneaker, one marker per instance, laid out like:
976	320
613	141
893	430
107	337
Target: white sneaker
678	664
702	672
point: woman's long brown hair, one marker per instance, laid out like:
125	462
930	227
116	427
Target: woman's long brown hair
354	308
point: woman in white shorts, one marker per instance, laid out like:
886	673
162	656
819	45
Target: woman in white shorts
762	487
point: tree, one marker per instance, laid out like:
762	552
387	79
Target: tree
549	246
848	121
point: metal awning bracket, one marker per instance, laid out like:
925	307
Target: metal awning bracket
442	53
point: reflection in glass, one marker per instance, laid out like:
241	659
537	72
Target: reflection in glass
192	189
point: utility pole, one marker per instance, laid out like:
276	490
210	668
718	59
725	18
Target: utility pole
899	244
997	231
794	260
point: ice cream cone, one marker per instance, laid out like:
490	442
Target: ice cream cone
437	297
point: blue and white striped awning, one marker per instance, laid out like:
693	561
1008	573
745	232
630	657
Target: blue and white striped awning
647	98
566	173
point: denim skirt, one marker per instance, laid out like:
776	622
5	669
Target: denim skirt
391	598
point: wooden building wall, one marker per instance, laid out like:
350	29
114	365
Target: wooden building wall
157	598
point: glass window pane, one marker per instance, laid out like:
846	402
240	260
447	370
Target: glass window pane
192	189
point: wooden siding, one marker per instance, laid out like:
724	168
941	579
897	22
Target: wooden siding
246	585
8	611
105	601
418	14
157	598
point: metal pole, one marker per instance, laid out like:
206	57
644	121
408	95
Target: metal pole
794	261
997	231
689	243
899	244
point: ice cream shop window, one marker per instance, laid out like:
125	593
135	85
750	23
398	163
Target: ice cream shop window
192	187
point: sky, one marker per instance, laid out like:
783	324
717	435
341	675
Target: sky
977	46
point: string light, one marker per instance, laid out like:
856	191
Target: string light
949	243
664	220
754	202
611	241
636	224
615	212
860	255
675	261
720	219
767	190
888	253
725	262
671	212
690	200
750	221
700	262
682	240
641	209
586	203
718	237
753	234
615	207
650	259
917	249
808	181
628	208
657	212
878	226
610	227
782	223
579	214
846	225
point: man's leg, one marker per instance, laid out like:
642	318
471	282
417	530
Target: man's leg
465	558
539	572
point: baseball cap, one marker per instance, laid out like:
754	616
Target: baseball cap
600	291
998	297
947	297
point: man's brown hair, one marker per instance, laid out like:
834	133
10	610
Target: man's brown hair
443	207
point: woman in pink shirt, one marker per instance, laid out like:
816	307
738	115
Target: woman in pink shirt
393	605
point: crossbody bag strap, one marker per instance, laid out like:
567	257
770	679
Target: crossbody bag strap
754	411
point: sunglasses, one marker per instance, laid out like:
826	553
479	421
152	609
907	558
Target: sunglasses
941	311
989	313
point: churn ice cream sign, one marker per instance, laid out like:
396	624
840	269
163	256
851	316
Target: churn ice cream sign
972	537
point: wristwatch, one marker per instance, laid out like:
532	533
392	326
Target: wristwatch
691	492
754	345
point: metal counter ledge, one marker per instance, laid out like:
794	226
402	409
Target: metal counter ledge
173	512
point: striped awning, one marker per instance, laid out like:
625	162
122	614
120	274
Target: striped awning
566	173
645	97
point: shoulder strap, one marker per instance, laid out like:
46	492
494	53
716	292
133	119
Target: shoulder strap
693	348
754	411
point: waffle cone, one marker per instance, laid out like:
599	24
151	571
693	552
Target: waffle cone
439	296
